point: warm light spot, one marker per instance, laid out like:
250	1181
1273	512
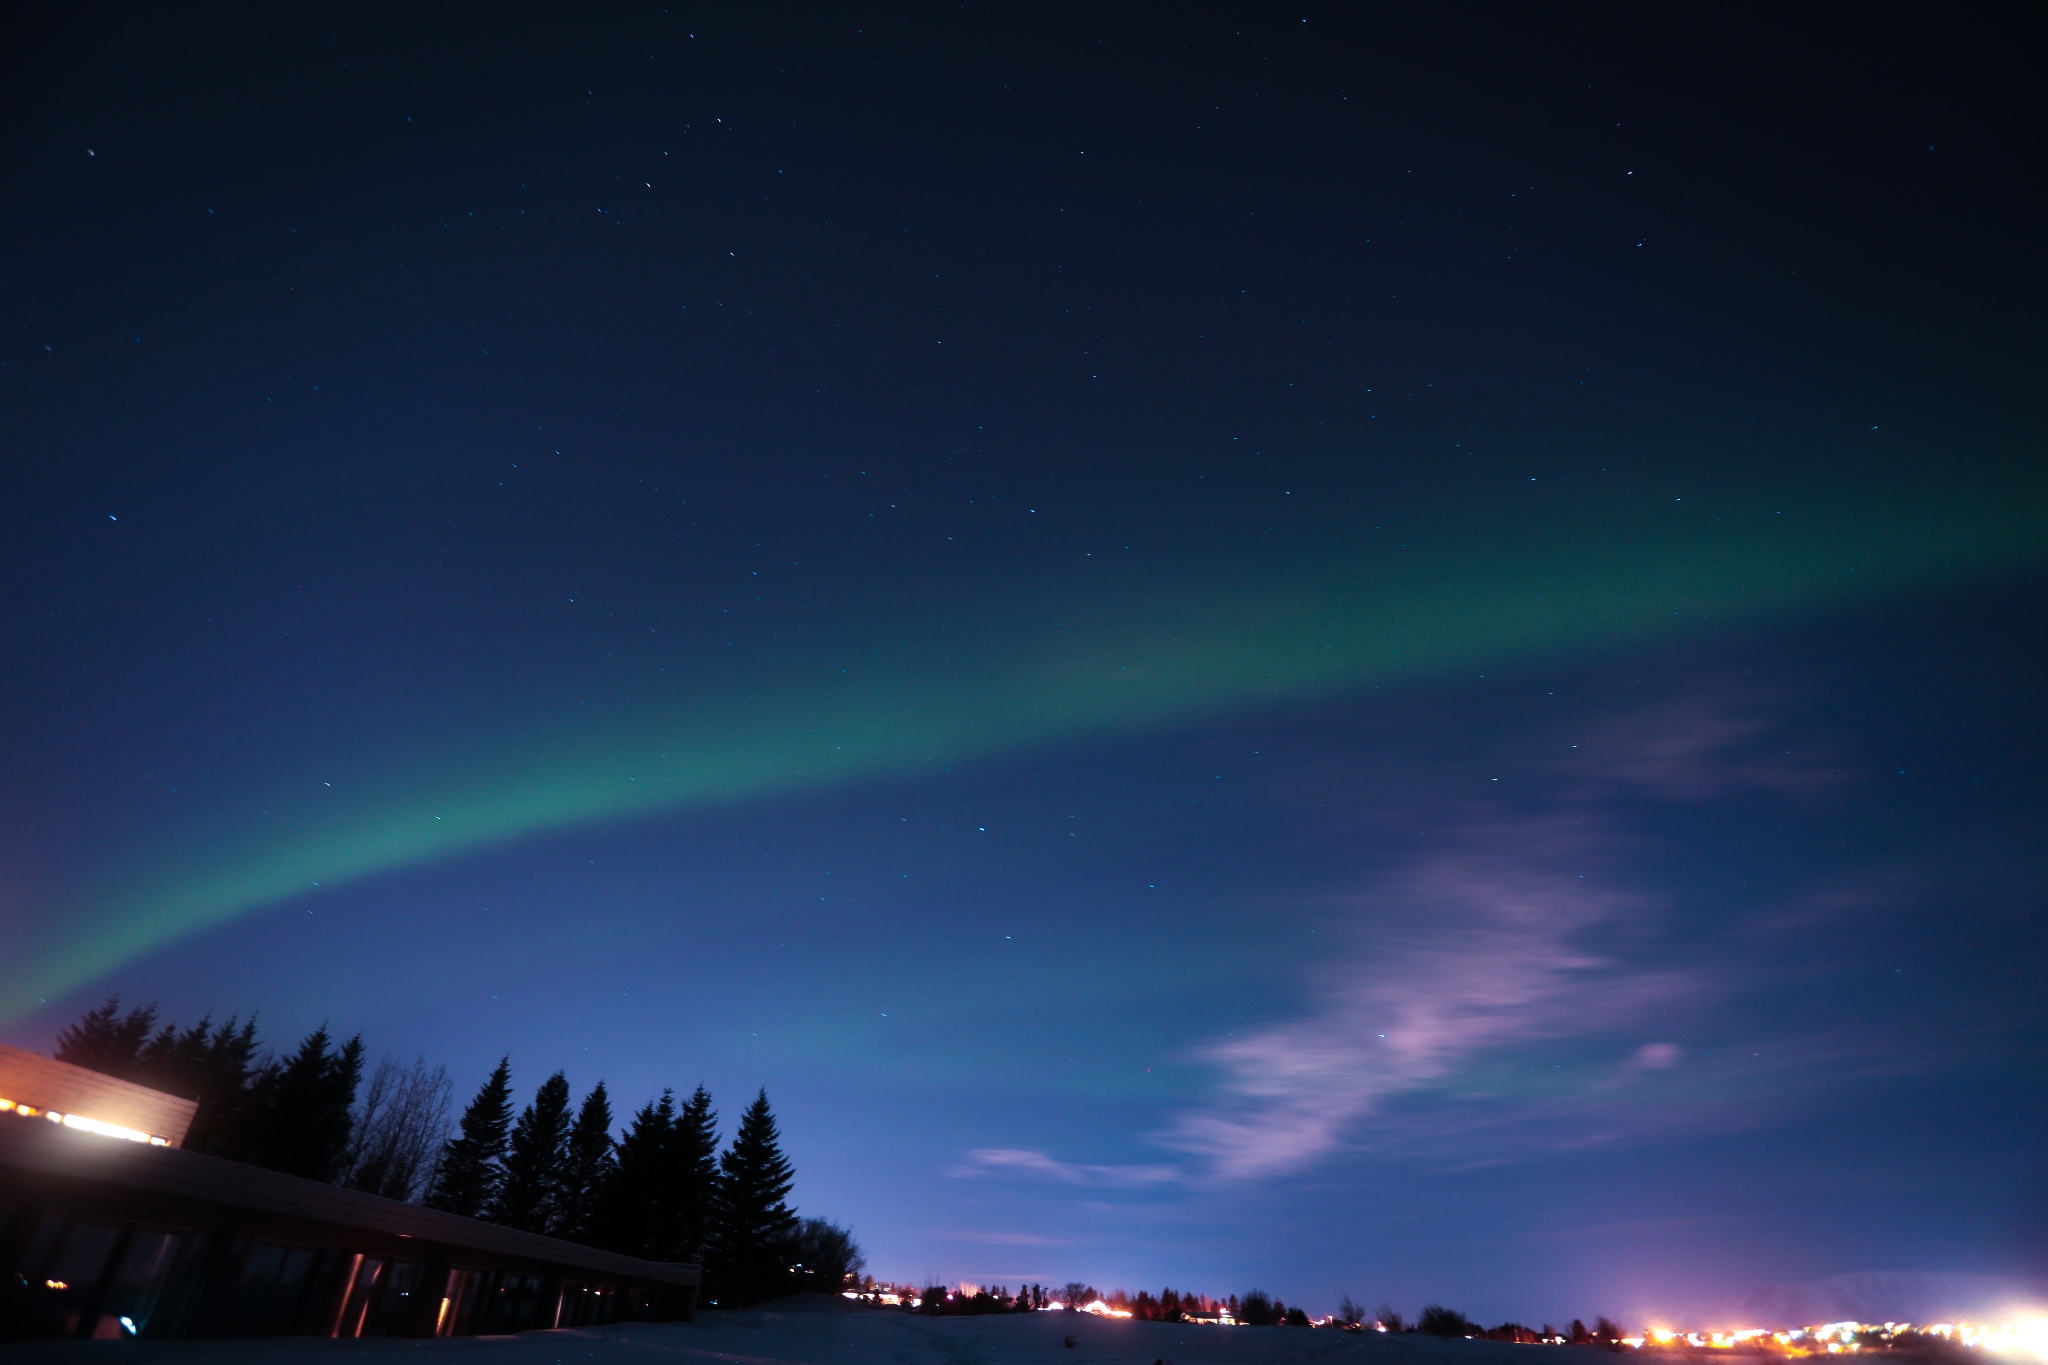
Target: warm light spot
112	1130
82	1124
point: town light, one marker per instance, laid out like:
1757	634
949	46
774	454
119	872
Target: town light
2026	1338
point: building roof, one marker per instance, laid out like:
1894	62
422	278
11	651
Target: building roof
44	1083
31	1151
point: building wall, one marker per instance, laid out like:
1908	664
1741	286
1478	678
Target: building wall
46	1086
100	1242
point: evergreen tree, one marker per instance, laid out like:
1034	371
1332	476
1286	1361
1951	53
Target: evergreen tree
214	1064
587	1168
628	1217
467	1178
752	1224
301	1109
534	1160
692	1179
105	1040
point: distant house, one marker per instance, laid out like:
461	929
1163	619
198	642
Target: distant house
109	1230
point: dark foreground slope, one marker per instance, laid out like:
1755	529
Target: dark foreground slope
802	1335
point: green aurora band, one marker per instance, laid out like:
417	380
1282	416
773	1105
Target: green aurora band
1076	659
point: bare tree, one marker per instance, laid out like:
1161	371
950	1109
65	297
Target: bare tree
1439	1321
1350	1312
828	1254
400	1124
1073	1294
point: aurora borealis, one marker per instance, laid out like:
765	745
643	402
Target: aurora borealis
1119	658
1304	521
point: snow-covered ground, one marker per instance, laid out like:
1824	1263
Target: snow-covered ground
827	1335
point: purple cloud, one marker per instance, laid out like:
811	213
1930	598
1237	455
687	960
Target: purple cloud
1516	923
1008	1239
1463	954
1017	1161
1708	743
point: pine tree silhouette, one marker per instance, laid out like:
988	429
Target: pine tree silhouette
301	1109
213	1064
106	1041
628	1216
753	1224
467	1178
587	1168
534	1160
692	1178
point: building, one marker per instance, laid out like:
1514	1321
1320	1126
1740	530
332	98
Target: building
108	1229
34	1086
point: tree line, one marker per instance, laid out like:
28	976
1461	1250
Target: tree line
661	1189
1254	1308
1435	1320
939	1300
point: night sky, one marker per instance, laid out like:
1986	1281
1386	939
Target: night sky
1375	650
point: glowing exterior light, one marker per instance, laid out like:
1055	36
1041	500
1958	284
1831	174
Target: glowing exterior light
82	1123
86	1125
37	1087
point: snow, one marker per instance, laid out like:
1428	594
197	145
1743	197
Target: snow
823	1333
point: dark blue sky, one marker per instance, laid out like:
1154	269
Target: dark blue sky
1357	651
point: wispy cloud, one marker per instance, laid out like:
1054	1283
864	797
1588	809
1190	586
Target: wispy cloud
1512	927
1657	1056
1467	952
1514	923
1008	1239
1706	743
1018	1161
